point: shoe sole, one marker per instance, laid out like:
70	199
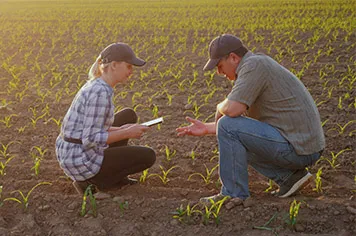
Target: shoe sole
298	185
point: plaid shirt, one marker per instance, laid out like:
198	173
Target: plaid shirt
88	119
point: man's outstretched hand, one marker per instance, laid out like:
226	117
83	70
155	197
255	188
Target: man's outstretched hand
196	128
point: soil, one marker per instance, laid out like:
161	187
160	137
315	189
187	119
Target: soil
147	208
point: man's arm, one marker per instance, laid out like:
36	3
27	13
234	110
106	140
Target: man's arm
231	108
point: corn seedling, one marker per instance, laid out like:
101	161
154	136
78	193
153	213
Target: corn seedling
164	176
24	200
5	149
216	154
270	186
7	119
4	164
169	153
57	122
34	120
207	177
293	212
123	206
185	215
318	188
265	226
88	193
334	157
213	211
143	176
192	155
37	158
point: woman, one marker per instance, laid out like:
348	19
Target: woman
92	147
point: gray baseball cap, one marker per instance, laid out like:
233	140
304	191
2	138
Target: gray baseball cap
120	52
221	46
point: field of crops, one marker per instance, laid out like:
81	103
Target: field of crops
47	48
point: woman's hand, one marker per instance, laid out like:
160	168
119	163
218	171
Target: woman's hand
197	128
134	130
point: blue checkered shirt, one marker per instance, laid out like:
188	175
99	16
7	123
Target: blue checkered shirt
88	119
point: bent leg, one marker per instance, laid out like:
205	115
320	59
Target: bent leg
119	162
244	141
124	116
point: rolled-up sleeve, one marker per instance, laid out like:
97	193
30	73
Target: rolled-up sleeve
96	112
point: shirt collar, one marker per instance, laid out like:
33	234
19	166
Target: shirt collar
101	81
247	55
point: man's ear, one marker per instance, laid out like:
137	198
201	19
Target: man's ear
235	58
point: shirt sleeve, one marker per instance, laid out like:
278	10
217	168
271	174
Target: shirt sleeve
96	112
249	84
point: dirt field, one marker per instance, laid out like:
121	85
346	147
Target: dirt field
46	50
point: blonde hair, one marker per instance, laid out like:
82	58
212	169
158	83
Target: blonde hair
97	69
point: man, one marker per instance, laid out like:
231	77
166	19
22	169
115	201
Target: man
269	120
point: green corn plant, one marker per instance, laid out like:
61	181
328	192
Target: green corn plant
339	105
195	110
324	122
143	176
185	215
123	206
164	176
34	120
169	153
88	193
207	177
24	200
134	96
213	211
343	127
318	183
265	226
21	129
192	155
334	157
37	155
170	98
4	152
216	154
155	111
270	186
7	119
293	212
58	121
4	164
4	104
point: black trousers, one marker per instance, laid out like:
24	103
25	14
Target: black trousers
121	160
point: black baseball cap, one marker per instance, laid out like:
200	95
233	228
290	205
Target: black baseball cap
120	52
221	46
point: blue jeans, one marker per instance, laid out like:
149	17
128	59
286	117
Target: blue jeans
244	141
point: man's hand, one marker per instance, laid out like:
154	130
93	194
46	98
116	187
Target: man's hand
197	128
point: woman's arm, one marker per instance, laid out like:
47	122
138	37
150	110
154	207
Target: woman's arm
126	132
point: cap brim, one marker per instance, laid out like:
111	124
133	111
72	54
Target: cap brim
138	62
211	64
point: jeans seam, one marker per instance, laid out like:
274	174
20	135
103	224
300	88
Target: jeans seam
257	136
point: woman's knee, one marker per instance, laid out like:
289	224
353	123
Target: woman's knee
128	115
150	157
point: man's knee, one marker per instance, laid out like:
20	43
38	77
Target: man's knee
225	122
